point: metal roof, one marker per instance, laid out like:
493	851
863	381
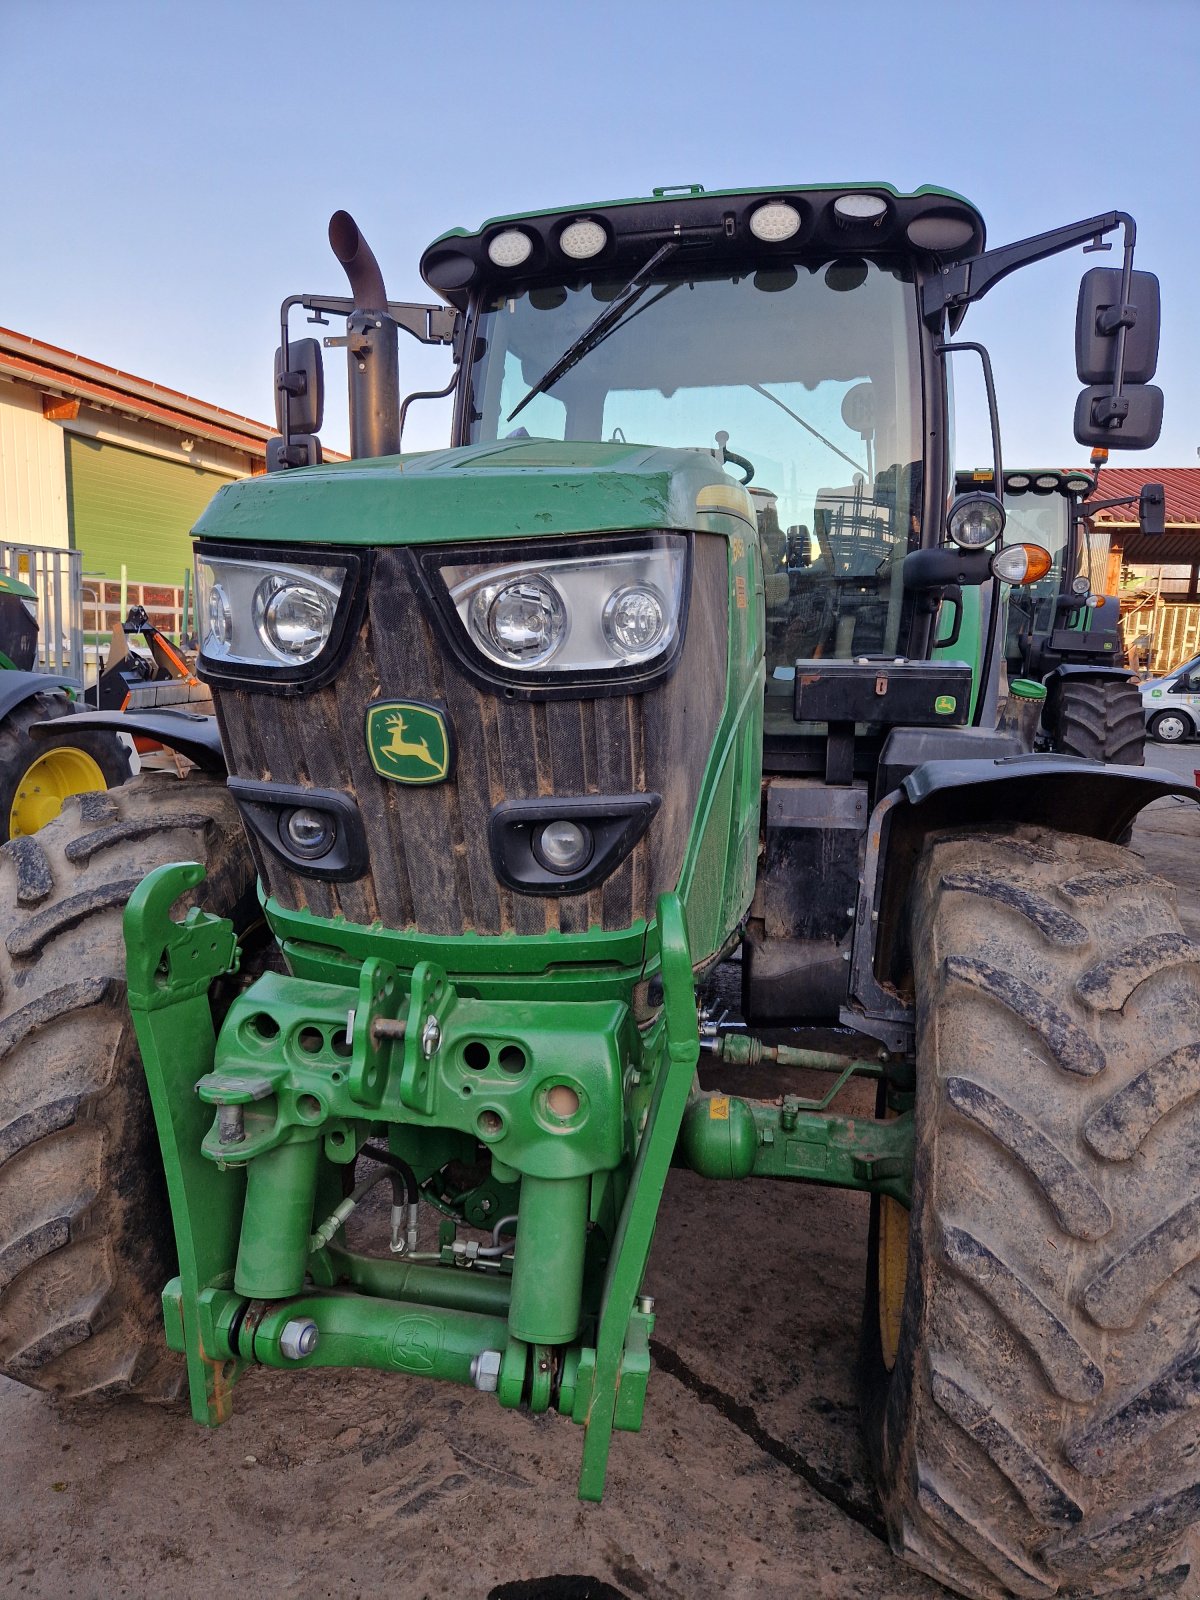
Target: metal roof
56	371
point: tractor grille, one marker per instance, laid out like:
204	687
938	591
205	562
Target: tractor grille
429	864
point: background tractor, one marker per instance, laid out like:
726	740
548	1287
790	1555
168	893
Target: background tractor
530	747
1063	632
38	774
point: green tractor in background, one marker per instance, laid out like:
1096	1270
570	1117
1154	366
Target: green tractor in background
37	774
1063	648
679	668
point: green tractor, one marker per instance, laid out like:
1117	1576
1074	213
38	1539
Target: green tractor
1063	646
679	668
43	759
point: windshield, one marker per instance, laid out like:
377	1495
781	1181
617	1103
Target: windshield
812	372
1034	519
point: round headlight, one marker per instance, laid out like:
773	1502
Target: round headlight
1018	481
524	620
775	222
851	208
634	620
220	619
563	846
582	240
309	833
510	248
975	520
1080	585
293	619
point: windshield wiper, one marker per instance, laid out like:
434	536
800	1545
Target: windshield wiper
604	323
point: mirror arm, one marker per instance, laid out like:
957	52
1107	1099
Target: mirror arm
993	411
958	285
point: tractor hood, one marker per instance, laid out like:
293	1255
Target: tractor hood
506	490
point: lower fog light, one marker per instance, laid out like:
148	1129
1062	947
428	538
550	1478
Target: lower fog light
563	846
308	833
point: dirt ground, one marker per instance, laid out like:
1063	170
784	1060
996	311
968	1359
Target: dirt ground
748	1479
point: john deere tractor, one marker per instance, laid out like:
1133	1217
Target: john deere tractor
1063	645
680	665
43	759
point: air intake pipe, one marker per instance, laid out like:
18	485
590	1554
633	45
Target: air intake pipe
372	355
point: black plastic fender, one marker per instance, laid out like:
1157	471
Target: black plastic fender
193	735
1053	791
17	687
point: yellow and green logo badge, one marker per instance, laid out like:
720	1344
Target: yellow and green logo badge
945	704
409	742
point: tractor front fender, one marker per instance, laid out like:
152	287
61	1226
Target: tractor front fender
17	687
193	735
1060	792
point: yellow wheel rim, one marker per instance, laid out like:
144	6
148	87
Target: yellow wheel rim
893	1274
47	782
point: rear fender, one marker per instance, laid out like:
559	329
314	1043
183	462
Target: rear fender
17	687
193	735
1062	792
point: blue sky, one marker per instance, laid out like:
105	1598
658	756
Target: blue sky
169	168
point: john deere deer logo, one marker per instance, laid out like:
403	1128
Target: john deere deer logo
408	742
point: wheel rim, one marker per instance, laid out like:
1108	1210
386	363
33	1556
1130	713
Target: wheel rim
1169	728
892	1274
47	782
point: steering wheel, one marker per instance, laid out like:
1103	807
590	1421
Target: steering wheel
729	455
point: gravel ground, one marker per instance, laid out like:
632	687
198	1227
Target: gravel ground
748	1479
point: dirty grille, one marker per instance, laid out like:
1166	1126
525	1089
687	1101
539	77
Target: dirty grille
429	865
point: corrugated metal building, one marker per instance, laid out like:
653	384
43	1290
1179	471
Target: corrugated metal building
114	466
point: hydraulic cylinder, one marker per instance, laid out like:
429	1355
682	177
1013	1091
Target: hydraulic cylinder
277	1221
547	1280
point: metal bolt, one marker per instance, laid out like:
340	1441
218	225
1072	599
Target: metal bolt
231	1125
299	1338
485	1371
431	1037
645	1304
385	1028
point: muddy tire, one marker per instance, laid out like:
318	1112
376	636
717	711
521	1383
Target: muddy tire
85	1233
104	763
1102	720
1039	1432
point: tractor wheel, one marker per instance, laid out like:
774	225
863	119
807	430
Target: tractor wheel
1103	720
1032	1343
37	775
85	1231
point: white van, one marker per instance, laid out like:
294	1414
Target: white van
1172	704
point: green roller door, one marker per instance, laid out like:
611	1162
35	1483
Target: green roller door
125	508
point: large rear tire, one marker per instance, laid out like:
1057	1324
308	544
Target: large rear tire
1038	1432
1101	719
85	1231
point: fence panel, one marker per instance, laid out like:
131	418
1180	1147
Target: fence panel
57	578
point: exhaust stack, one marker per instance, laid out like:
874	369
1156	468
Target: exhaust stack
373	360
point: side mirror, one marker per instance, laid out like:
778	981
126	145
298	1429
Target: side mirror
301	450
1131	420
1152	509
301	388
1098	316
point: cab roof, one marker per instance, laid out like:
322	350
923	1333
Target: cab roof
933	223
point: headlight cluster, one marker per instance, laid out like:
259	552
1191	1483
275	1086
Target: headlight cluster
589	613
265	614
